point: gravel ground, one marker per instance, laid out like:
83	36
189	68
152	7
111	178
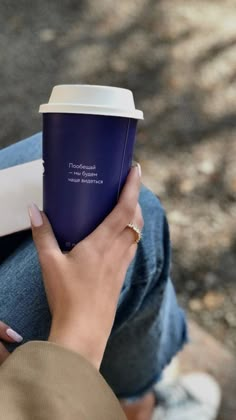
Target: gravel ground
179	58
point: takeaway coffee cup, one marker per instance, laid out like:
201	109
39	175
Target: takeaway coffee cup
88	140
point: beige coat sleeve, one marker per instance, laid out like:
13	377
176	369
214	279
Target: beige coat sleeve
41	380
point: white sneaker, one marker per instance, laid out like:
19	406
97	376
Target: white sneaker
195	396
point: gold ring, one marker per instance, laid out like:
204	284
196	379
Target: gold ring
137	231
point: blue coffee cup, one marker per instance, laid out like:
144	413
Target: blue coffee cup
88	141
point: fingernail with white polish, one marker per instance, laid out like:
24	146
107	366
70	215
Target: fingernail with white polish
35	215
139	169
14	335
136	164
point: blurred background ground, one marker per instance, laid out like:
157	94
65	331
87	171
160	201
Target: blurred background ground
179	58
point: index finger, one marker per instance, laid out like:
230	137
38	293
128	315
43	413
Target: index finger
124	211
8	334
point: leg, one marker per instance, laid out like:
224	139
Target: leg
149	328
21	152
23	302
153	329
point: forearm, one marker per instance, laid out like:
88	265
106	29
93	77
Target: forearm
45	379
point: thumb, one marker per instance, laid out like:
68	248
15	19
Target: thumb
43	235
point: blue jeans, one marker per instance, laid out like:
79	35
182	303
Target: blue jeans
149	327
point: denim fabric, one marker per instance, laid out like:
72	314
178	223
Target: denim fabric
149	327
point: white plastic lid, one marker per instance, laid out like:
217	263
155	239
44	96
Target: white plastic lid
91	99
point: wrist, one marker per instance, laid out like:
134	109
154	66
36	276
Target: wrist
71	338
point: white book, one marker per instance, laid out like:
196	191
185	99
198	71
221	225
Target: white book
19	186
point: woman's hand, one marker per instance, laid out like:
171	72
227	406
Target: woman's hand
83	286
8	335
